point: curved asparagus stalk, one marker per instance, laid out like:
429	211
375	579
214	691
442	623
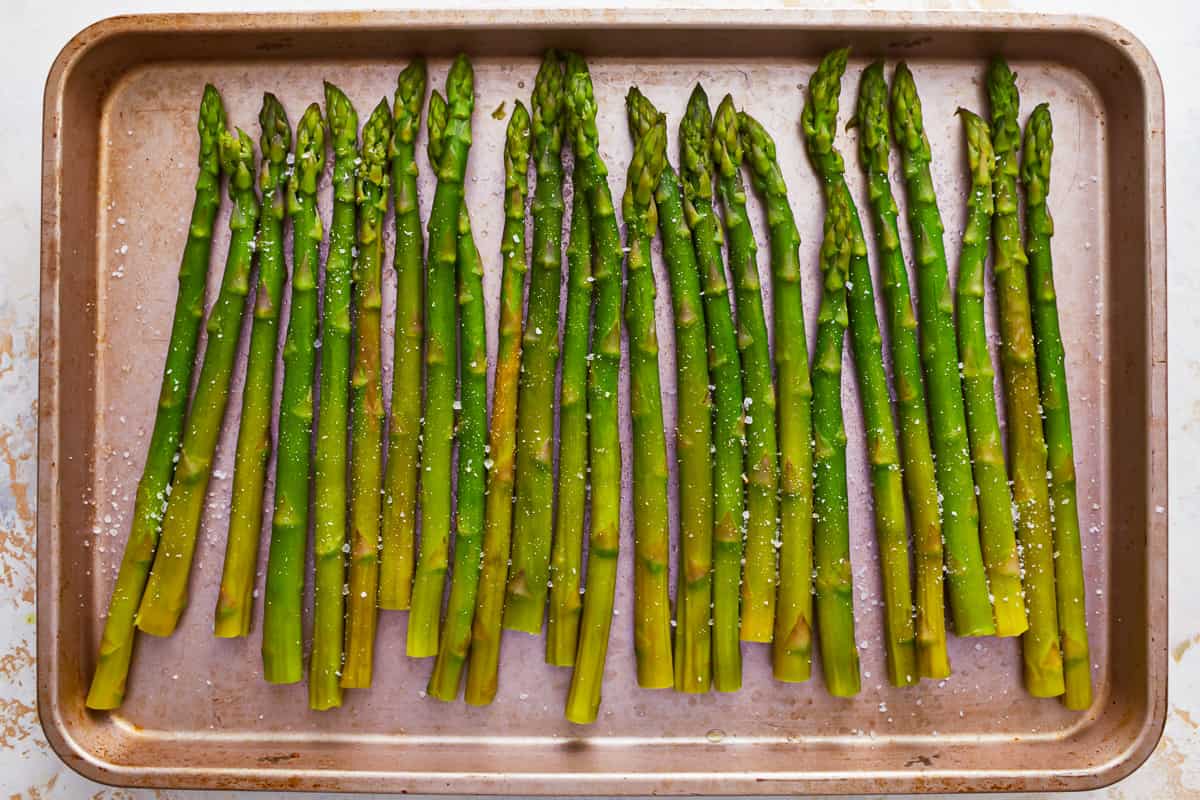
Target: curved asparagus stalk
604	443
920	481
693	433
116	646
1026	445
166	590
939	355
791	656
489	607
695	134
533	518
987	451
398	529
566	555
333	419
831	528
472	435
759	576
1056	412
234	601
283	634
887	489
366	398
651	602
451	121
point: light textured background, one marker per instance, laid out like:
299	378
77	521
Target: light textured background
30	38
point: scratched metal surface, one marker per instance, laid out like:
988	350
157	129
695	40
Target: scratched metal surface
179	699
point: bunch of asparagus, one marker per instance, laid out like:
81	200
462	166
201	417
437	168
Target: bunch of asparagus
760	441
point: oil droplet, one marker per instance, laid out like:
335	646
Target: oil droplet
716	736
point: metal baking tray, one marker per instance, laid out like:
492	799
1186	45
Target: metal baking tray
118	167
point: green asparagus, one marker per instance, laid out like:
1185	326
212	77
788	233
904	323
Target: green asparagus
533	517
398	529
1056	412
489	607
693	429
696	165
759	576
283	634
919	476
792	651
604	444
983	424
333	418
166	591
969	600
453	126
234	601
1026	442
116	646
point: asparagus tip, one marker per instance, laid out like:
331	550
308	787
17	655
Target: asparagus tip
726	141
276	139
641	113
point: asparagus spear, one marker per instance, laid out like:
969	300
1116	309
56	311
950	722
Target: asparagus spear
1056	413
695	134
566	555
604	443
453	123
166	591
651	603
759	576
533	518
919	477
987	452
472	433
366	396
398	529
329	463
831	527
891	530
693	434
116	646
939	355
792	652
497	532
1026	445
234	602
283	659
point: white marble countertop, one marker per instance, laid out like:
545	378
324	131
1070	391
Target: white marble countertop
30	37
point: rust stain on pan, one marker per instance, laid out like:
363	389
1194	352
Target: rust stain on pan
118	167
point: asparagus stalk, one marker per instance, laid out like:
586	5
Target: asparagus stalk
449	154
987	452
759	577
329	462
366	396
472	434
939	354
234	601
566	555
791	656
116	646
891	530
604	443
651	603
1026	445
497	532
166	590
693	433
533	519
398	529
920	481
696	165
1056	412
831	528
283	658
